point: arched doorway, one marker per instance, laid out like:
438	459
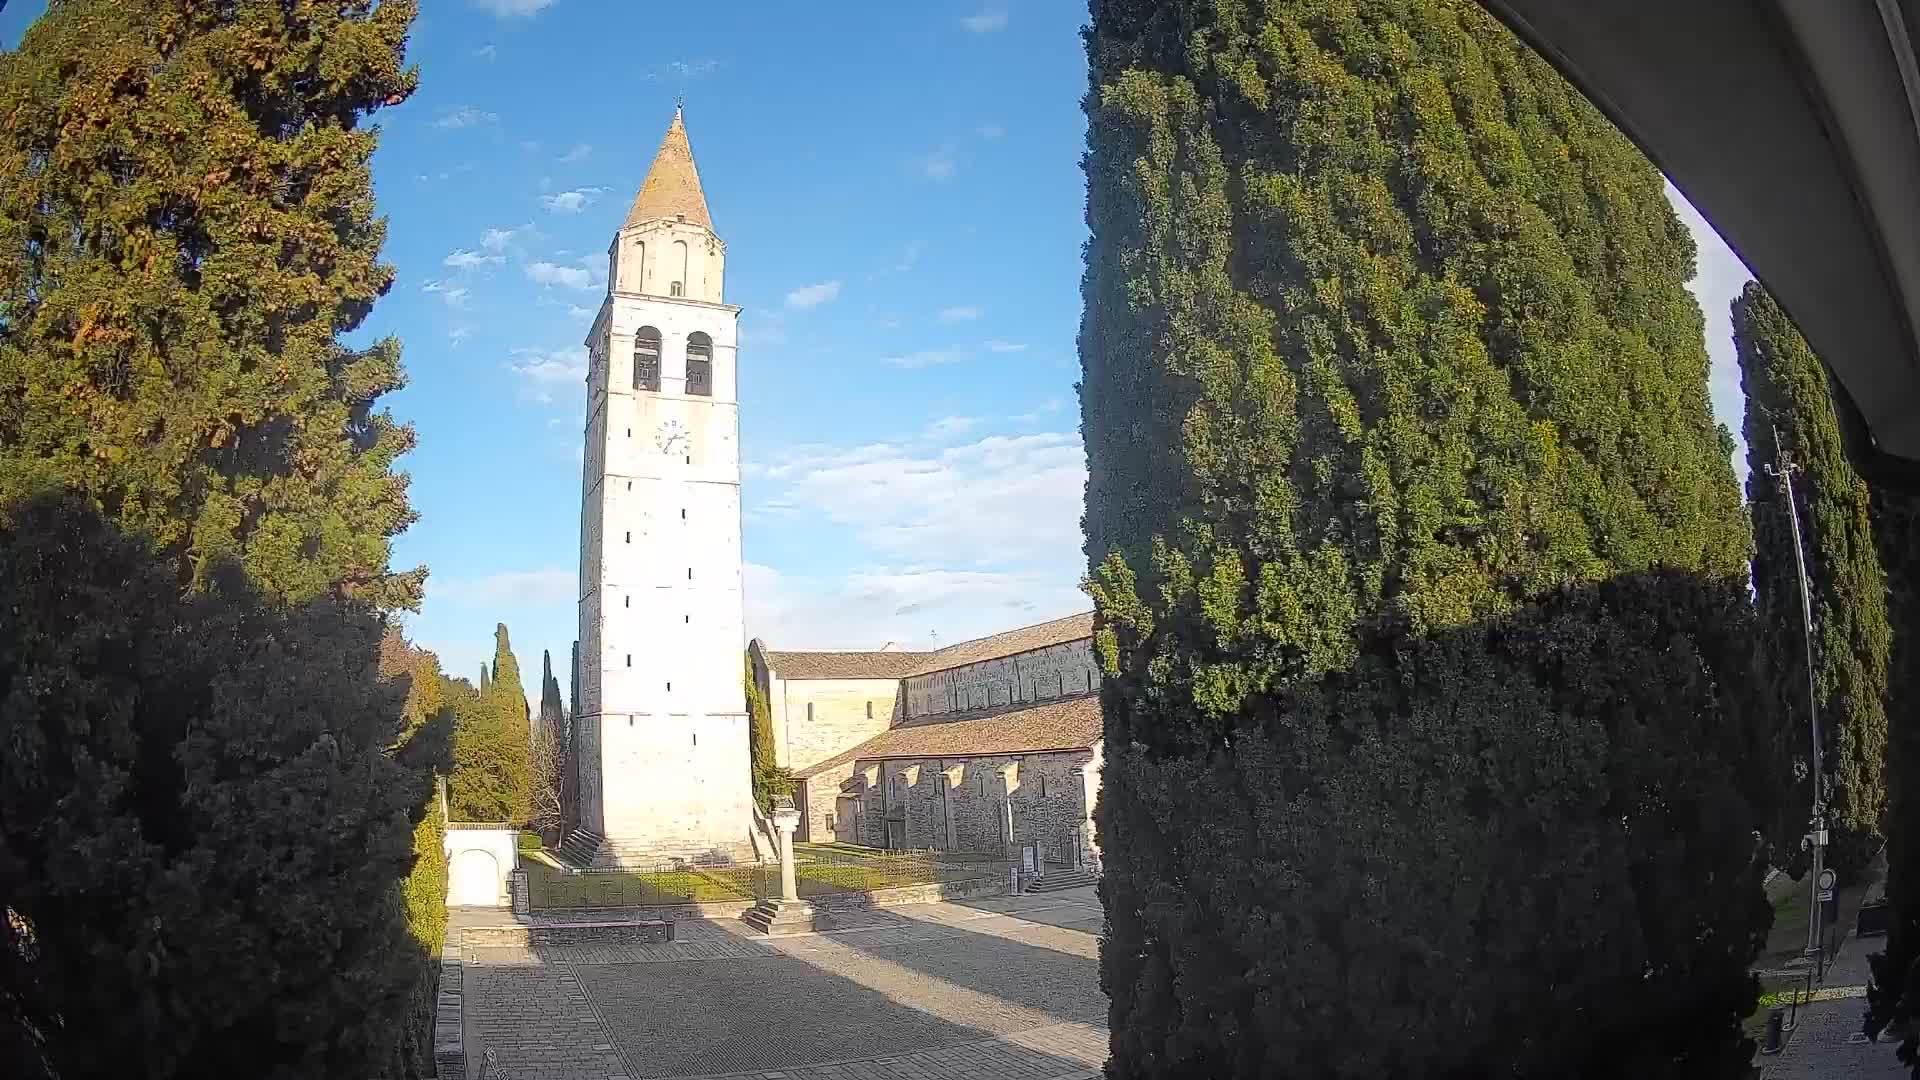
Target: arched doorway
476	879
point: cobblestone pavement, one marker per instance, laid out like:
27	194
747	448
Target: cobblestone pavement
997	989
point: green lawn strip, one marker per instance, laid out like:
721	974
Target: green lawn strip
628	888
528	840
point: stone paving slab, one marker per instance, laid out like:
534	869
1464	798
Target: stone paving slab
1006	990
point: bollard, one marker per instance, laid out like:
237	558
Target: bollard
1775	1021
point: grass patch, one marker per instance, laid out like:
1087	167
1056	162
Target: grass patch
529	841
549	888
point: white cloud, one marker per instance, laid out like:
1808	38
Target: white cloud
509	588
486	52
949	426
571	202
512	9
812	296
938	165
580	152
463	259
990	131
575	311
458	334
763	330
1720	278
1045	408
958	314
876	605
909	258
454	295
1001	498
568	277
683	70
986	22
927	357
545	372
996	345
464	116
497	239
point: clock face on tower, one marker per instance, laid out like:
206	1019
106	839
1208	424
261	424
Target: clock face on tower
670	437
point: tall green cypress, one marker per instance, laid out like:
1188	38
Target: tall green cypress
1790	407
511	727
1433	740
769	779
1894	997
187	233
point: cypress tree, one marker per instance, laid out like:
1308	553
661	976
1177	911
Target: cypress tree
187	233
493	744
769	779
1790	407
1894	996
208	804
1418	562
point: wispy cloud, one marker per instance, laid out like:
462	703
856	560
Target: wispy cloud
547	585
763	330
938	165
455	296
497	240
958	314
463	259
997	345
575	311
909	258
949	426
683	70
543	372
986	22
464	116
812	296
579	153
927	358
1046	408
569	277
458	334
571	202
486	52
990	131
877	604
514	9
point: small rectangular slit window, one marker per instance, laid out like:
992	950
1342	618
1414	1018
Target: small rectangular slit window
629	537
669	688
683	513
689	573
626	601
629	659
686	618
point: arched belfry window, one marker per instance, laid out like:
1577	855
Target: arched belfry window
699	364
646	359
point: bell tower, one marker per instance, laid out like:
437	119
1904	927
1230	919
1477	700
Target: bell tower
661	743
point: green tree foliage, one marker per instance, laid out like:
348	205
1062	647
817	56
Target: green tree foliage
549	763
1790	407
1433	740
208	803
187	231
1894	996
427	720
493	744
770	781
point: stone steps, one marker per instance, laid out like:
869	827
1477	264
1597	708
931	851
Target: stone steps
1057	880
580	848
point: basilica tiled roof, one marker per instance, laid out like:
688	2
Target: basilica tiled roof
1063	724
1025	639
843	665
672	188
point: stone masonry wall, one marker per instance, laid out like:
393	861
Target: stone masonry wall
959	803
1040	675
844	713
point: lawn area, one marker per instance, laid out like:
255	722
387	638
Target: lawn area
552	888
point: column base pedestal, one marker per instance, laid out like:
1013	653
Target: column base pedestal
777	917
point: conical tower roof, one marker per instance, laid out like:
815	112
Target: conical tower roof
672	187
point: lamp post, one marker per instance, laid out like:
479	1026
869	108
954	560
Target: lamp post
1816	839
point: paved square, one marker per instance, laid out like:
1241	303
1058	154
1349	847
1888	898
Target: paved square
1006	987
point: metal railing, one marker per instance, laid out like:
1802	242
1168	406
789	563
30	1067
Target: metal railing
818	871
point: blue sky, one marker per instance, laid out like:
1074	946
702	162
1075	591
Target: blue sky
900	193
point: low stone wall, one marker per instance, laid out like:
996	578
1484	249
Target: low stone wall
910	894
449	1048
713	909
612	932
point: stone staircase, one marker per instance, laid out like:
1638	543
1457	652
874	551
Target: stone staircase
1058	878
581	848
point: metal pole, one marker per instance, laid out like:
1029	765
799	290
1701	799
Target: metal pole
1816	838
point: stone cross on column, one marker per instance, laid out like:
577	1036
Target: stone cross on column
785	820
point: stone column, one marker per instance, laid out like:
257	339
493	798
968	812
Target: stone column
785	820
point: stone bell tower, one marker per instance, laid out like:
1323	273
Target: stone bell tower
661	749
